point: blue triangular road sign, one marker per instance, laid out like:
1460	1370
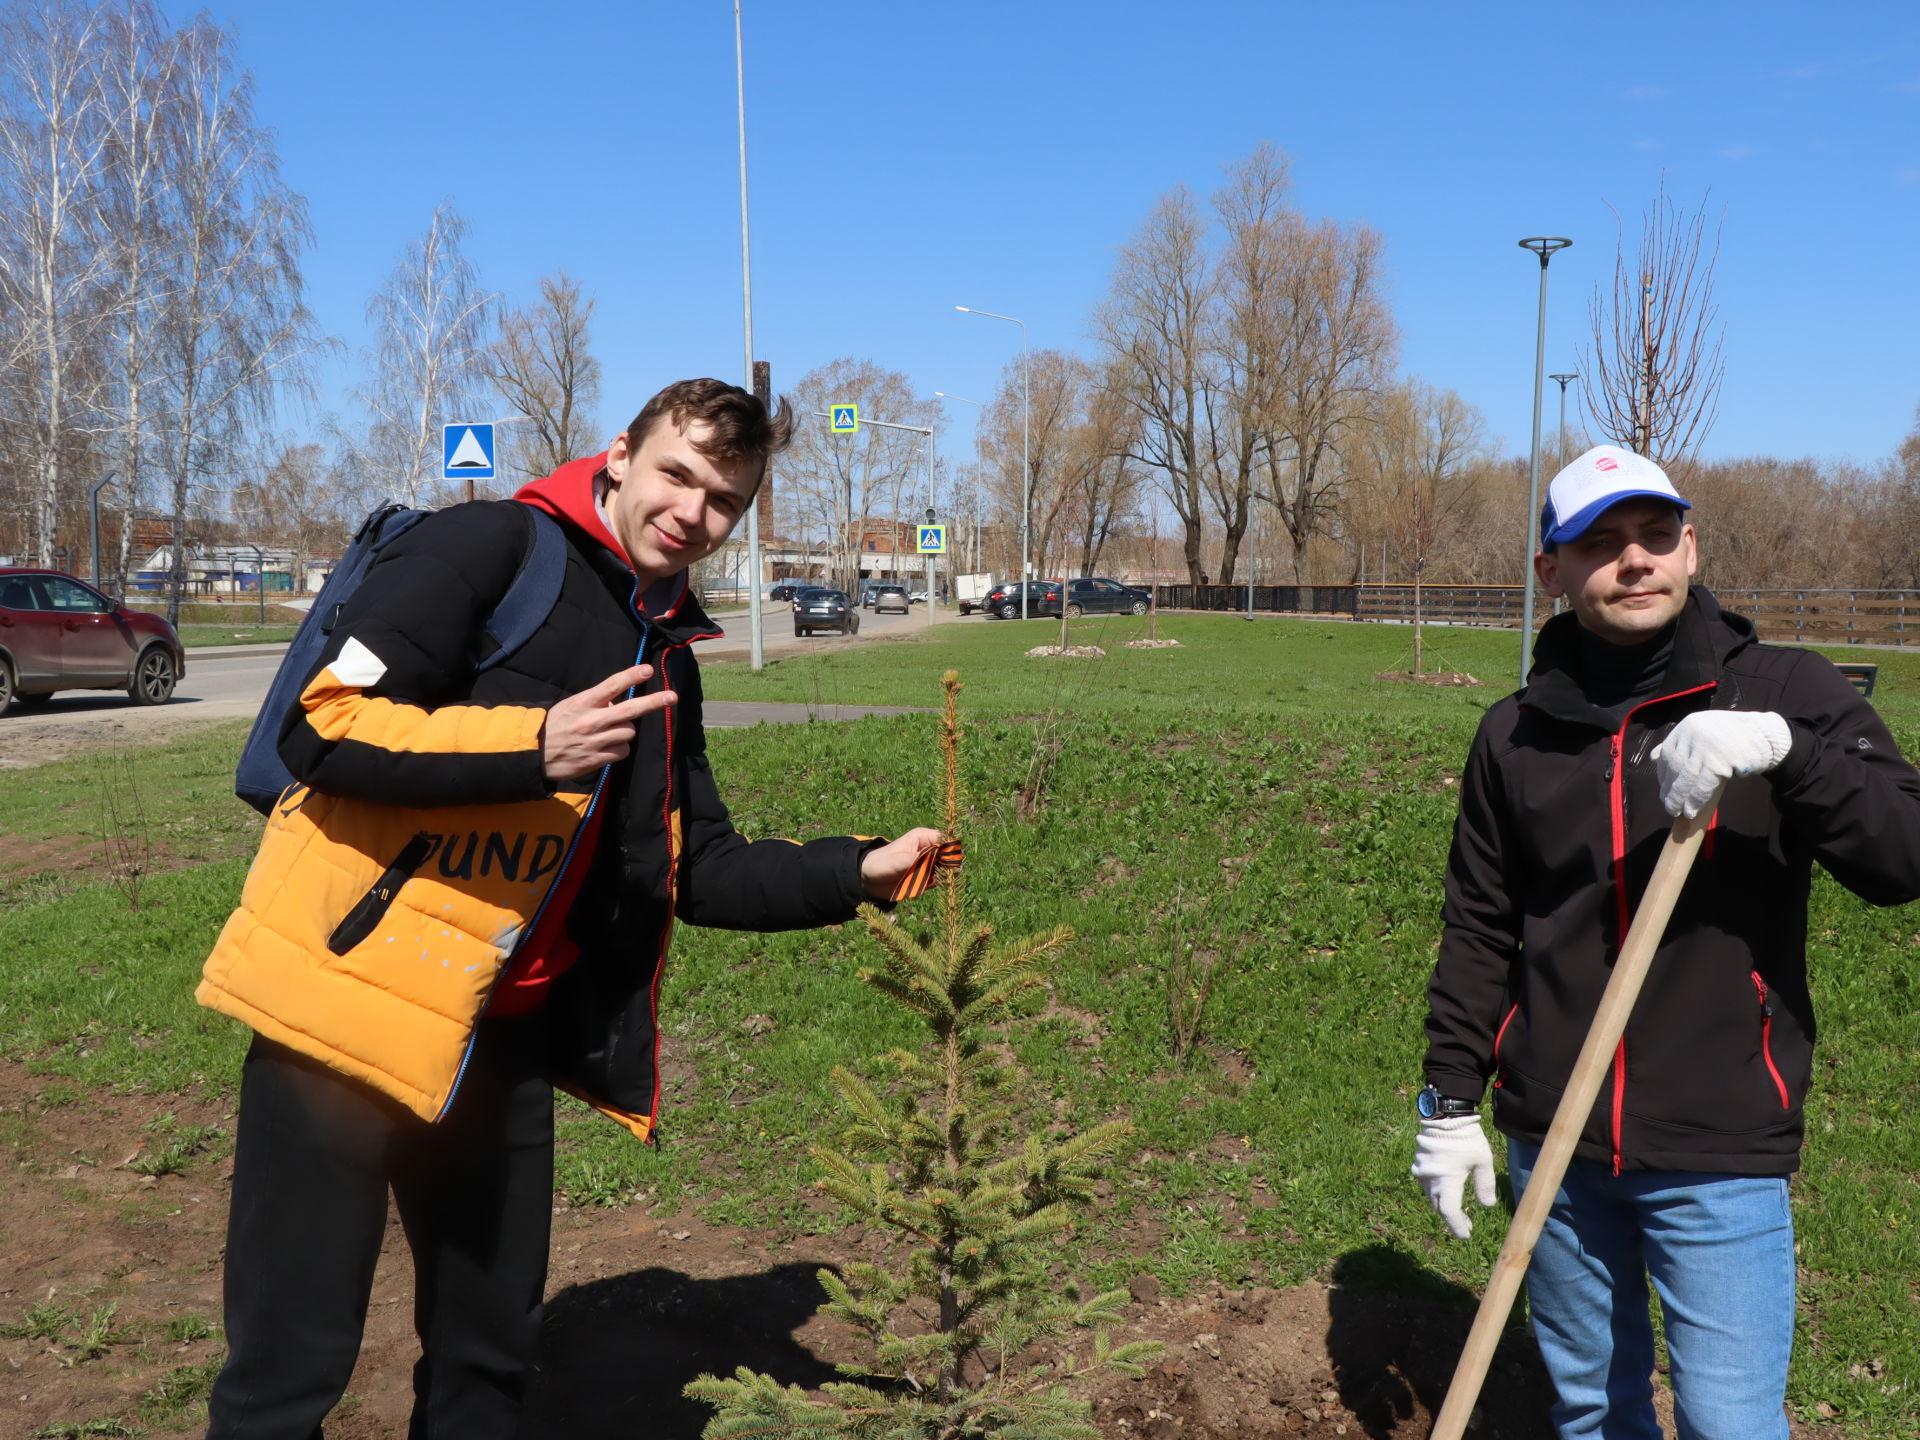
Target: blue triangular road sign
467	451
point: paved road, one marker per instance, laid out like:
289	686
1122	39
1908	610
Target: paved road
229	682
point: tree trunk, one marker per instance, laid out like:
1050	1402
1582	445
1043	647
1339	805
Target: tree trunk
1418	660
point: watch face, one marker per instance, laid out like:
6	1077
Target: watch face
1428	1103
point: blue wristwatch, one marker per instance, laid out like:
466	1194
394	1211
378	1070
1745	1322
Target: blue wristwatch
1432	1105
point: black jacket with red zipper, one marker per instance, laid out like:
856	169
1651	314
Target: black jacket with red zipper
1559	827
665	848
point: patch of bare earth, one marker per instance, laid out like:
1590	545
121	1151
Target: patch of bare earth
638	1304
1429	677
1313	1361
111	725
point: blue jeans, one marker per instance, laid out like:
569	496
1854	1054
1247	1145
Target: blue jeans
1719	1249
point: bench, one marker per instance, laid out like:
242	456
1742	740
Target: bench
1862	676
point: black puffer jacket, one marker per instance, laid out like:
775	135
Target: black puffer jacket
1560	824
666	847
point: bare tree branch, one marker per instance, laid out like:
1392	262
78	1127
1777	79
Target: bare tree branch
543	365
1654	365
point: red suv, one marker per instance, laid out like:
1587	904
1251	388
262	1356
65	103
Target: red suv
58	634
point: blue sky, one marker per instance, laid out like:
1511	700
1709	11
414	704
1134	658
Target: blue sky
907	158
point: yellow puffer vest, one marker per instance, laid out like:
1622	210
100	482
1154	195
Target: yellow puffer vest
369	936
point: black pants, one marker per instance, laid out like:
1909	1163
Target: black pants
315	1155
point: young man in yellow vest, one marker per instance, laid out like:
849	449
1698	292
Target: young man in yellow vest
466	901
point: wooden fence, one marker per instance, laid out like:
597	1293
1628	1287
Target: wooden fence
1496	606
1785	617
1830	617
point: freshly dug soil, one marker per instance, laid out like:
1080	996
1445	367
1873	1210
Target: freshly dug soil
638	1304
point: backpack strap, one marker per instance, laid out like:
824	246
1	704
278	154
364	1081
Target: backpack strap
534	591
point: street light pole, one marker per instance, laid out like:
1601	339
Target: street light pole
93	510
1545	246
1560	440
757	653
953	567
1026	464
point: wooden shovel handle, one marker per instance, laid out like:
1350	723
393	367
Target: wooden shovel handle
1583	1088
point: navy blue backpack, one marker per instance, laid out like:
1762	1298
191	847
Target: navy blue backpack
261	779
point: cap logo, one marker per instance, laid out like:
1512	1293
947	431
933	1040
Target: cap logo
1606	462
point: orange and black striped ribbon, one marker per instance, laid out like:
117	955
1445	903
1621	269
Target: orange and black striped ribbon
925	873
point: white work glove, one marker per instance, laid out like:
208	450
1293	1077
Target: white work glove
1710	747
1450	1149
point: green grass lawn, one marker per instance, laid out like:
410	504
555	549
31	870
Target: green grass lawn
196	637
1256	798
207	622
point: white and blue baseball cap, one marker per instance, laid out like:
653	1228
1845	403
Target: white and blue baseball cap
1604	476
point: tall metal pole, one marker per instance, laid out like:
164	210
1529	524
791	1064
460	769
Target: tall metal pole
755	625
1544	246
973	528
1560	440
1026	473
93	507
933	510
1026	462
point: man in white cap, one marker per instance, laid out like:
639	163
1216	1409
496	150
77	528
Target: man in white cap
1640	702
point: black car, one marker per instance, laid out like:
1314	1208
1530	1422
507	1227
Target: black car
890	597
825	610
1043	598
790	590
1100	596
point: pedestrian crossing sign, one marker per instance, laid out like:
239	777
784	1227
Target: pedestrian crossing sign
467	451
843	419
933	539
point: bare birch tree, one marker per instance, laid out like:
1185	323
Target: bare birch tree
429	362
139	76
1654	365
1154	326
543	366
236	330
54	266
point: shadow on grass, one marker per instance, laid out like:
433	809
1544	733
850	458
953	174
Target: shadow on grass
1394	1334
614	1353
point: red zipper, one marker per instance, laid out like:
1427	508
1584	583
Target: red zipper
1616	794
1498	1075
1619	1096
1766	1039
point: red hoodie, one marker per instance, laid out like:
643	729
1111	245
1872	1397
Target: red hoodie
549	952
